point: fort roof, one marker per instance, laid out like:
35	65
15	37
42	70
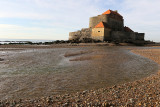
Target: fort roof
102	25
112	12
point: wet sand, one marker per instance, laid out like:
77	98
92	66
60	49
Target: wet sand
100	91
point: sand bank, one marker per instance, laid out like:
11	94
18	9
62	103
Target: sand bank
144	92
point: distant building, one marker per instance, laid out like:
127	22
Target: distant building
108	26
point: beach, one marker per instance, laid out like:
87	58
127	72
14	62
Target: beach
79	76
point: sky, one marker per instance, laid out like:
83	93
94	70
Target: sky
54	19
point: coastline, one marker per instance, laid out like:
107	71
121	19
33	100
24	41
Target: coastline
64	45
144	92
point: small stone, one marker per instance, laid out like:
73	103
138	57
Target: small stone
84	92
39	106
139	104
1	59
66	104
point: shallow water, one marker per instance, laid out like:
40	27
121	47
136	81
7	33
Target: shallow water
31	73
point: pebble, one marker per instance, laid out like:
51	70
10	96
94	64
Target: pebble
1	59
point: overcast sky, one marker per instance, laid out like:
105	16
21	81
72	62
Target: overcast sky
54	19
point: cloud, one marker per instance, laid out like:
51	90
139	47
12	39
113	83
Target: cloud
20	32
64	16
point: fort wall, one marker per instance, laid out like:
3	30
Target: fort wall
81	34
131	36
93	21
74	35
116	25
107	34
119	35
140	36
98	34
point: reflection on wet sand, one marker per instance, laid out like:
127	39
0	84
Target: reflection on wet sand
30	73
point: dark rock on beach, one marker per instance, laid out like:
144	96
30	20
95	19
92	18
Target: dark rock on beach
1	59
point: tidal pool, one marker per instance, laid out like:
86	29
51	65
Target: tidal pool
31	73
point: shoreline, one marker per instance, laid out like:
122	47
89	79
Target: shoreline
144	92
64	45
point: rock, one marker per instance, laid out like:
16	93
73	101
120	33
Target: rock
130	101
39	105
1	59
66	104
78	101
49	100
139	104
84	92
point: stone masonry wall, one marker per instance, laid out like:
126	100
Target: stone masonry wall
98	34
140	36
119	35
93	21
81	34
122	36
116	25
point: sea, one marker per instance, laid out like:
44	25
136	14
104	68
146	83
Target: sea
7	41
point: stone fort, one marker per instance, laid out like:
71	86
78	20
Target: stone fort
108	26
